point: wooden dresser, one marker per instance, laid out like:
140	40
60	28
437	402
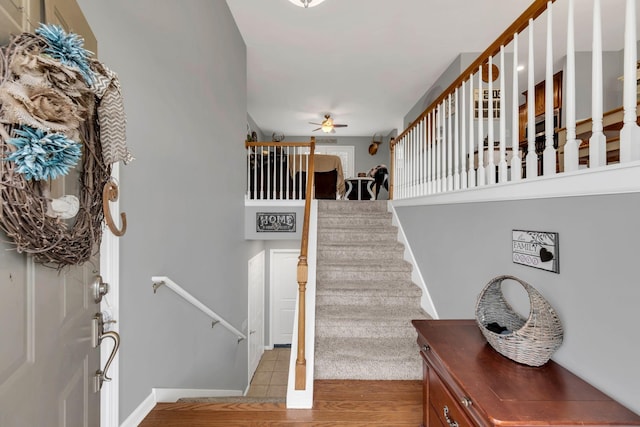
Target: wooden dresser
467	383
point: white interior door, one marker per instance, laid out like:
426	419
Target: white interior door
283	287
346	154
47	361
256	311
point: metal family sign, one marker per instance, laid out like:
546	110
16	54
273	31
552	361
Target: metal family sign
276	222
538	249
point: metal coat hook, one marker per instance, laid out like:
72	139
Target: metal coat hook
110	194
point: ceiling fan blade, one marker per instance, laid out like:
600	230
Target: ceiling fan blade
316	129
340	126
317	124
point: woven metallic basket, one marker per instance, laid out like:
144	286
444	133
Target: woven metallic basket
529	341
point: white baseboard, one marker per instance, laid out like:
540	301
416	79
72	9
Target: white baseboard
138	414
168	395
416	274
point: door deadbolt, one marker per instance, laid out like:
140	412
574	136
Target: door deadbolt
99	289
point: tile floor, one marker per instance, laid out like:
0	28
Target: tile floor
270	379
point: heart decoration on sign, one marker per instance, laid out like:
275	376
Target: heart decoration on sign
545	255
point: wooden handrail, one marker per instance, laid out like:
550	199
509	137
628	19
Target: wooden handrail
520	24
303	276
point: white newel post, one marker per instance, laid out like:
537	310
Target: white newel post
598	141
516	162
630	133
571	145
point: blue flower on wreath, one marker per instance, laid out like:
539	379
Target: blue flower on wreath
41	155
67	48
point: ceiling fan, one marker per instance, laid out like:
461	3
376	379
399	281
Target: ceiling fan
327	125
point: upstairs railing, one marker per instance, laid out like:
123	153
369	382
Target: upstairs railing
479	133
277	170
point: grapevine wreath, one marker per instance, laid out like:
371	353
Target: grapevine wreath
60	109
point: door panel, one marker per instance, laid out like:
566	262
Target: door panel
47	362
256	311
283	287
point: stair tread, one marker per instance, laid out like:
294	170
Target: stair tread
378	313
368	264
382	288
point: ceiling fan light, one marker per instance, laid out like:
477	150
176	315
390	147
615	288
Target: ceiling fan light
306	3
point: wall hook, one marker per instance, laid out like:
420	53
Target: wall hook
110	194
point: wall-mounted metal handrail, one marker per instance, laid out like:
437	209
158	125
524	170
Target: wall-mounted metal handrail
159	281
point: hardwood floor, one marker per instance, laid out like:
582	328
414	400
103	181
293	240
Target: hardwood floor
336	403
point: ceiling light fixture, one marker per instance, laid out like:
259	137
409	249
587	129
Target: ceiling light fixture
327	125
306	3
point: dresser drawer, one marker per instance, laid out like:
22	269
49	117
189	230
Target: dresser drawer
444	404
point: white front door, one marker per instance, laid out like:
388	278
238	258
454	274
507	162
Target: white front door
283	287
47	361
256	312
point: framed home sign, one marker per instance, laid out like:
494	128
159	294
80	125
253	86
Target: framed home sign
537	249
278	222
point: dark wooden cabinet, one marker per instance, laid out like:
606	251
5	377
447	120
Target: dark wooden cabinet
467	383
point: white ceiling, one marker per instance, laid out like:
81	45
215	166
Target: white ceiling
366	62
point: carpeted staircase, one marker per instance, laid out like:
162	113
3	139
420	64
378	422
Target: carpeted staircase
365	298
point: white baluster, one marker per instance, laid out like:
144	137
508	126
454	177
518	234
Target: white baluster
456	143
438	150
424	155
449	145
443	144
411	160
288	184
472	172
572	144
491	164
419	152
532	157
481	172
630	133
516	161
462	121
429	153
549	154
502	166
249	172
598	141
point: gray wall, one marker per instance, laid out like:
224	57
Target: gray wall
454	70
182	67
460	248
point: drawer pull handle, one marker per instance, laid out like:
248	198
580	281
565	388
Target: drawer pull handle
466	401
426	348
451	423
